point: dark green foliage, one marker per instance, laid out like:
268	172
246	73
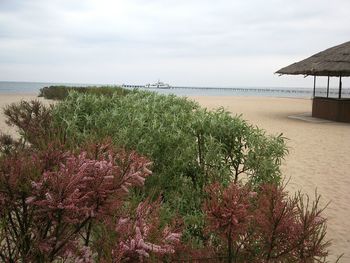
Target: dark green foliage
230	148
190	146
61	92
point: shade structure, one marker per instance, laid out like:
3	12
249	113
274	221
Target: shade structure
333	62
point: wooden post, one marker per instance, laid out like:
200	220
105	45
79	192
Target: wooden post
340	86
328	87
314	86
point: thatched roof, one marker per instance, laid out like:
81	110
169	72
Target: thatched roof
334	61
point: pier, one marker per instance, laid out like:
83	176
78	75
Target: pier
262	90
221	88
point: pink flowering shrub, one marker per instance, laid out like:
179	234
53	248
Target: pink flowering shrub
267	226
58	205
142	235
228	213
33	121
52	200
228	210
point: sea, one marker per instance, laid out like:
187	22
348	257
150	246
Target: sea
7	87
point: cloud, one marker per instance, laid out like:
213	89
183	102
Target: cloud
164	37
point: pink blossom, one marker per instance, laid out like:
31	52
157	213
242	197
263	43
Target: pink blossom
136	239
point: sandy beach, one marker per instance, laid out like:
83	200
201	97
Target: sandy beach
319	152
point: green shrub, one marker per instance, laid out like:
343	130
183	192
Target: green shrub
190	146
61	92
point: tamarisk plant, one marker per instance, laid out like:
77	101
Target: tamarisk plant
34	123
51	201
145	225
31	118
228	214
266	226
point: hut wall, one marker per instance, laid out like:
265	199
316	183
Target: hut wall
331	109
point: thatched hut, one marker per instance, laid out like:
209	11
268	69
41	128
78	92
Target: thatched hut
332	62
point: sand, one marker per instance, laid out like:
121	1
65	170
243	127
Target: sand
319	153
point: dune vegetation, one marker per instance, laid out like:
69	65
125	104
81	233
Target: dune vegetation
112	175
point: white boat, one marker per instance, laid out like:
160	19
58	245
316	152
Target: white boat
158	85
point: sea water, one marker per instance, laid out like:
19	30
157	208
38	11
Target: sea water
34	87
31	87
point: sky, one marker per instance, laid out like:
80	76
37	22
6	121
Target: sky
226	43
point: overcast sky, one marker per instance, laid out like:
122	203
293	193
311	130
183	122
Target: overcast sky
182	42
